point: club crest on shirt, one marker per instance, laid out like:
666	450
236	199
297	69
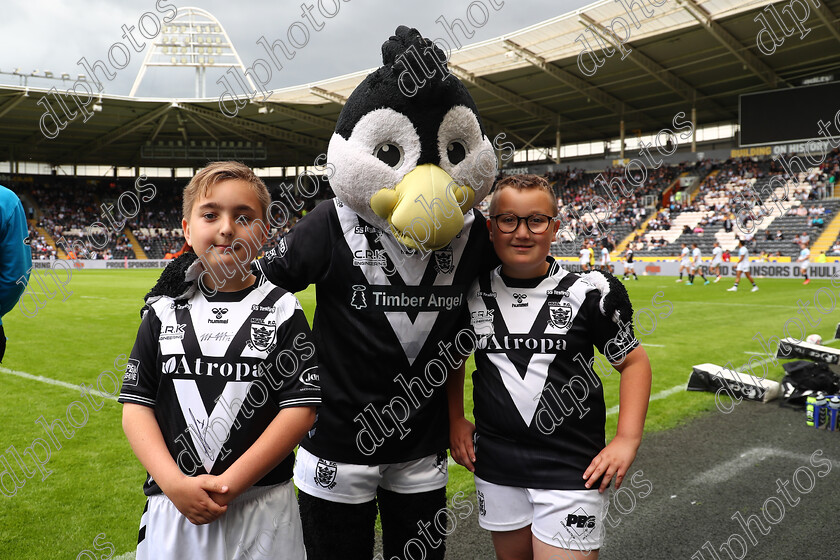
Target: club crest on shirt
281	247
559	314
325	473
443	261
263	333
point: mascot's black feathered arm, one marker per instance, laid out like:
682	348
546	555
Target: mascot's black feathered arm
176	282
615	302
173	281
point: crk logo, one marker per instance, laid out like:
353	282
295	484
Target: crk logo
358	299
219	311
520	298
325	473
482	510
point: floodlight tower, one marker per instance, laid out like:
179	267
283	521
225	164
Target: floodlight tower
194	38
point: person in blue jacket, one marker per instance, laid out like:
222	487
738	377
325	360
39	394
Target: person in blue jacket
15	256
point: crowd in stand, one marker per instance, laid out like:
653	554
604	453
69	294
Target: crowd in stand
69	208
69	205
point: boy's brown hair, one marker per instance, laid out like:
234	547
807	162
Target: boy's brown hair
524	182
217	172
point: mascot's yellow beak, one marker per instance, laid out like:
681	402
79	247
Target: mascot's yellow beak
426	209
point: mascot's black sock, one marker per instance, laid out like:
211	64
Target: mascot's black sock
402	537
332	530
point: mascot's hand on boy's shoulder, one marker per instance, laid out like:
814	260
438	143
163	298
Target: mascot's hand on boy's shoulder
173	280
614	302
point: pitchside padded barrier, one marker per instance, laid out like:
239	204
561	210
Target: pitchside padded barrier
712	378
790	348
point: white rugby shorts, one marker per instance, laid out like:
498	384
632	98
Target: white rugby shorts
261	523
348	483
568	519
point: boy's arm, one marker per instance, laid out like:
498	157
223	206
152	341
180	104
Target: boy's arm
461	430
634	393
188	494
275	443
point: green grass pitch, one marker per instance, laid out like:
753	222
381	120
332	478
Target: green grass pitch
95	482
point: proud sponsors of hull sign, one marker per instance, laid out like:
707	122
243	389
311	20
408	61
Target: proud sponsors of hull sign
763	269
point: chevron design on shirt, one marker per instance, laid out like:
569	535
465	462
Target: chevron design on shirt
410	270
525	390
209	431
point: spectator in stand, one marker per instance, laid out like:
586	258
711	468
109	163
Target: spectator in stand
835	249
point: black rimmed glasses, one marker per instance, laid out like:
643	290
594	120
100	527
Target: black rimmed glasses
536	223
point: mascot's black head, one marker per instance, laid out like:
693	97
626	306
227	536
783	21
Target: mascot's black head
408	136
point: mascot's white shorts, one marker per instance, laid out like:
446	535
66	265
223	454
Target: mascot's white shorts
347	483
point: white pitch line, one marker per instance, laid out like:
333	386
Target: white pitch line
756	353
760	363
127	556
728	304
655	397
654	345
746	460
43	379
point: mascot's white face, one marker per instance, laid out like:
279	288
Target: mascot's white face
412	163
423	206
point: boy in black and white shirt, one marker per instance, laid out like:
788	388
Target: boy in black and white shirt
539	454
220	387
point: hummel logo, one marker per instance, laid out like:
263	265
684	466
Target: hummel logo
520	298
219	311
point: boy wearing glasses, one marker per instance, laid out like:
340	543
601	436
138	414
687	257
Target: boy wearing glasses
537	448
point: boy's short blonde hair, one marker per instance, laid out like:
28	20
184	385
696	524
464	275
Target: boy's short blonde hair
524	182
217	172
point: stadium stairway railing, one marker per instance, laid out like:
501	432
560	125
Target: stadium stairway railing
139	253
49	239
622	245
827	237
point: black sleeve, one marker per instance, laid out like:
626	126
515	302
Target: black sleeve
293	360
142	372
302	256
611	340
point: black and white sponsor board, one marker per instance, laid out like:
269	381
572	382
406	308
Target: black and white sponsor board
757	269
712	378
791	348
96	264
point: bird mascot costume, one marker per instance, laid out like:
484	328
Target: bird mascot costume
392	257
